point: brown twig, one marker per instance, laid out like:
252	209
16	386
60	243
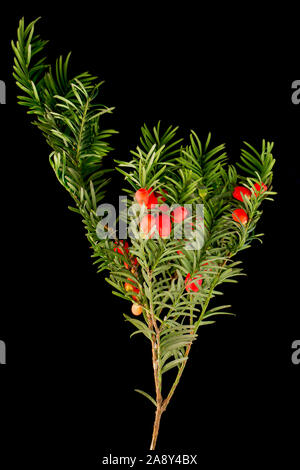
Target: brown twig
155	341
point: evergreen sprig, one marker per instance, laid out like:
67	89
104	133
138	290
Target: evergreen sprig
69	118
155	269
191	174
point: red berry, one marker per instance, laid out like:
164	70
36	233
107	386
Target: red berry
239	190
147	224
194	283
260	188
142	196
126	265
239	215
179	214
146	196
164	225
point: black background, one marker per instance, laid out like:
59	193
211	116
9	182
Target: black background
71	367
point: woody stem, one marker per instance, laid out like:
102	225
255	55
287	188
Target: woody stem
156	425
155	342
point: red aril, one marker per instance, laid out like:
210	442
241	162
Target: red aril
239	215
179	214
239	191
260	188
193	283
142	196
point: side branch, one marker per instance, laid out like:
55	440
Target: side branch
176	381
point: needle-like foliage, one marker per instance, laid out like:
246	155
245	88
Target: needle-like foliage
154	271
66	112
191	174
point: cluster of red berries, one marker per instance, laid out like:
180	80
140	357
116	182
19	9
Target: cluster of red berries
240	215
162	221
